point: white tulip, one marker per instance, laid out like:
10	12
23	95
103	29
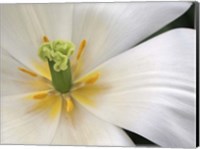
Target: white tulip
148	89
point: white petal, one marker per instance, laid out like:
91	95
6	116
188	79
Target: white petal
14	81
111	28
24	25
21	125
56	20
82	128
150	89
21	32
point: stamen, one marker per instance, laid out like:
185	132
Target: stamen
40	95
28	72
78	63
45	39
81	49
89	79
93	78
70	105
52	102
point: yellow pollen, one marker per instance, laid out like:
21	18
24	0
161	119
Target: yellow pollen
92	79
81	49
40	96
45	39
70	105
28	72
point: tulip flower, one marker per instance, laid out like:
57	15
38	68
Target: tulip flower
75	74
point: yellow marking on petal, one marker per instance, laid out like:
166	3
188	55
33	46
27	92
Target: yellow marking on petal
51	103
56	107
45	39
37	84
28	72
81	49
90	78
43	68
40	95
93	78
87	94
69	105
83	99
42	105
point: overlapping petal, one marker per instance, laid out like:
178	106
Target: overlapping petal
150	89
55	20
147	85
27	121
14	81
83	128
111	28
24	25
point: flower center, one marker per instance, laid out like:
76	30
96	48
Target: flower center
58	53
60	85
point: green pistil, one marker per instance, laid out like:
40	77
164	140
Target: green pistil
57	53
61	80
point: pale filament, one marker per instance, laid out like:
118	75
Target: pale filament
33	74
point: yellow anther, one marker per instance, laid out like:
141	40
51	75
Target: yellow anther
45	39
70	105
81	49
28	72
92	78
40	95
